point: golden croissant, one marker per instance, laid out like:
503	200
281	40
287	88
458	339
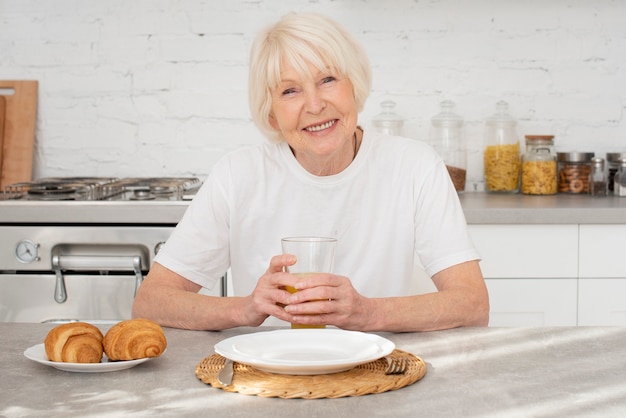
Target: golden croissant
74	342
134	339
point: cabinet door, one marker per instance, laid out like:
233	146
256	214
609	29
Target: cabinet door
600	252
532	302
602	283
527	251
602	302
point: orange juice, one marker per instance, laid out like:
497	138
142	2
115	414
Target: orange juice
292	289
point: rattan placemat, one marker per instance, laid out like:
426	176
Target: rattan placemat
365	379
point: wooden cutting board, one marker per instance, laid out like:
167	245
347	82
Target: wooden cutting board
18	138
3	105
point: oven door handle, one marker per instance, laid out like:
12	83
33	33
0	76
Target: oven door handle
92	263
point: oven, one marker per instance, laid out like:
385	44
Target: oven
78	248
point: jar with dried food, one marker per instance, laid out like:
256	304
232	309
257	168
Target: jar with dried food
502	154
574	169
539	166
619	183
598	184
446	136
612	163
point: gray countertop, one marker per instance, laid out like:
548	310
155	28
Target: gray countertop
167	212
484	208
473	372
479	208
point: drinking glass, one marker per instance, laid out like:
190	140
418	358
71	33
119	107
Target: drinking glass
313	255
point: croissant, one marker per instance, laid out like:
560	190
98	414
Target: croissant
74	342
134	339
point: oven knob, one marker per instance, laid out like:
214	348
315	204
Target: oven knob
158	247
27	251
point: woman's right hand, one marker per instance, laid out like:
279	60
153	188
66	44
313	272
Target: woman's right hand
269	296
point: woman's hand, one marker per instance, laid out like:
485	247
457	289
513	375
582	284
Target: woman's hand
269	296
327	299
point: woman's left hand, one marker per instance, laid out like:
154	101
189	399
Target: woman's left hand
328	299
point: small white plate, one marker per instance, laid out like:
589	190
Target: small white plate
37	353
305	351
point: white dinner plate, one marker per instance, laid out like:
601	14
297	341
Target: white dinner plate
38	353
305	351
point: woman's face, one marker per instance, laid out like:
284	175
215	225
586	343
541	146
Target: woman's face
317	117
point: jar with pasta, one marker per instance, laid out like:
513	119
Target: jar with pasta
502	154
539	166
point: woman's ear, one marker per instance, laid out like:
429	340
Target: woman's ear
273	122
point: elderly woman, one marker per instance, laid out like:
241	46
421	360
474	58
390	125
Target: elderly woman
388	200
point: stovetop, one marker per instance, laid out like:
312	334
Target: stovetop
104	188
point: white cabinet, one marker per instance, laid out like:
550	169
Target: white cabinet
532	302
601	254
531	272
602	272
523	251
553	275
602	302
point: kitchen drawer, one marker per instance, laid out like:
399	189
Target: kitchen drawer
602	302
532	302
601	254
527	251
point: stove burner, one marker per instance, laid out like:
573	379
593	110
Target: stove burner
142	194
53	191
52	188
162	190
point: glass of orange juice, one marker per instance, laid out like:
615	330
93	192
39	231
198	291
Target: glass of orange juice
313	255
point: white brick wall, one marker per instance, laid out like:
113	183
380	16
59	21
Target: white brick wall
141	87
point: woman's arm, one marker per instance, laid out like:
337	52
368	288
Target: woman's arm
461	300
173	301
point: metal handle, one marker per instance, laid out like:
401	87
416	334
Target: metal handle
92	263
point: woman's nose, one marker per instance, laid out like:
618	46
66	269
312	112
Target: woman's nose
314	101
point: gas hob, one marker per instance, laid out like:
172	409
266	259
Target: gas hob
104	188
98	200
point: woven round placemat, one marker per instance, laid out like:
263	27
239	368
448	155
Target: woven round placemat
364	379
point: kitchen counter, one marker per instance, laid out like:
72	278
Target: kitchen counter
484	208
472	372
164	212
479	208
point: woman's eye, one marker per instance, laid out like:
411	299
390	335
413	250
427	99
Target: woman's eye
288	91
328	79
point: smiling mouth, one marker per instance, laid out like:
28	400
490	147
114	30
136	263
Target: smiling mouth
321	127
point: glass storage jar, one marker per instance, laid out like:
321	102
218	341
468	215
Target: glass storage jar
388	122
598	179
619	183
502	154
539	166
574	169
446	137
612	163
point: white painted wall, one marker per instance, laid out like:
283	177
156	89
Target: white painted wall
159	87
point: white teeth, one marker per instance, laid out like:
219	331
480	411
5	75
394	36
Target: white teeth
320	127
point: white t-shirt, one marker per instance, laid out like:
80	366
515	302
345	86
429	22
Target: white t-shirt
393	203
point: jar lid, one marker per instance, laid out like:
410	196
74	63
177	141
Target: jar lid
615	156
501	117
575	157
388	118
598	162
446	114
539	136
539	139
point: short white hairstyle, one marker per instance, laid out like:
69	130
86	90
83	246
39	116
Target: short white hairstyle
302	38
